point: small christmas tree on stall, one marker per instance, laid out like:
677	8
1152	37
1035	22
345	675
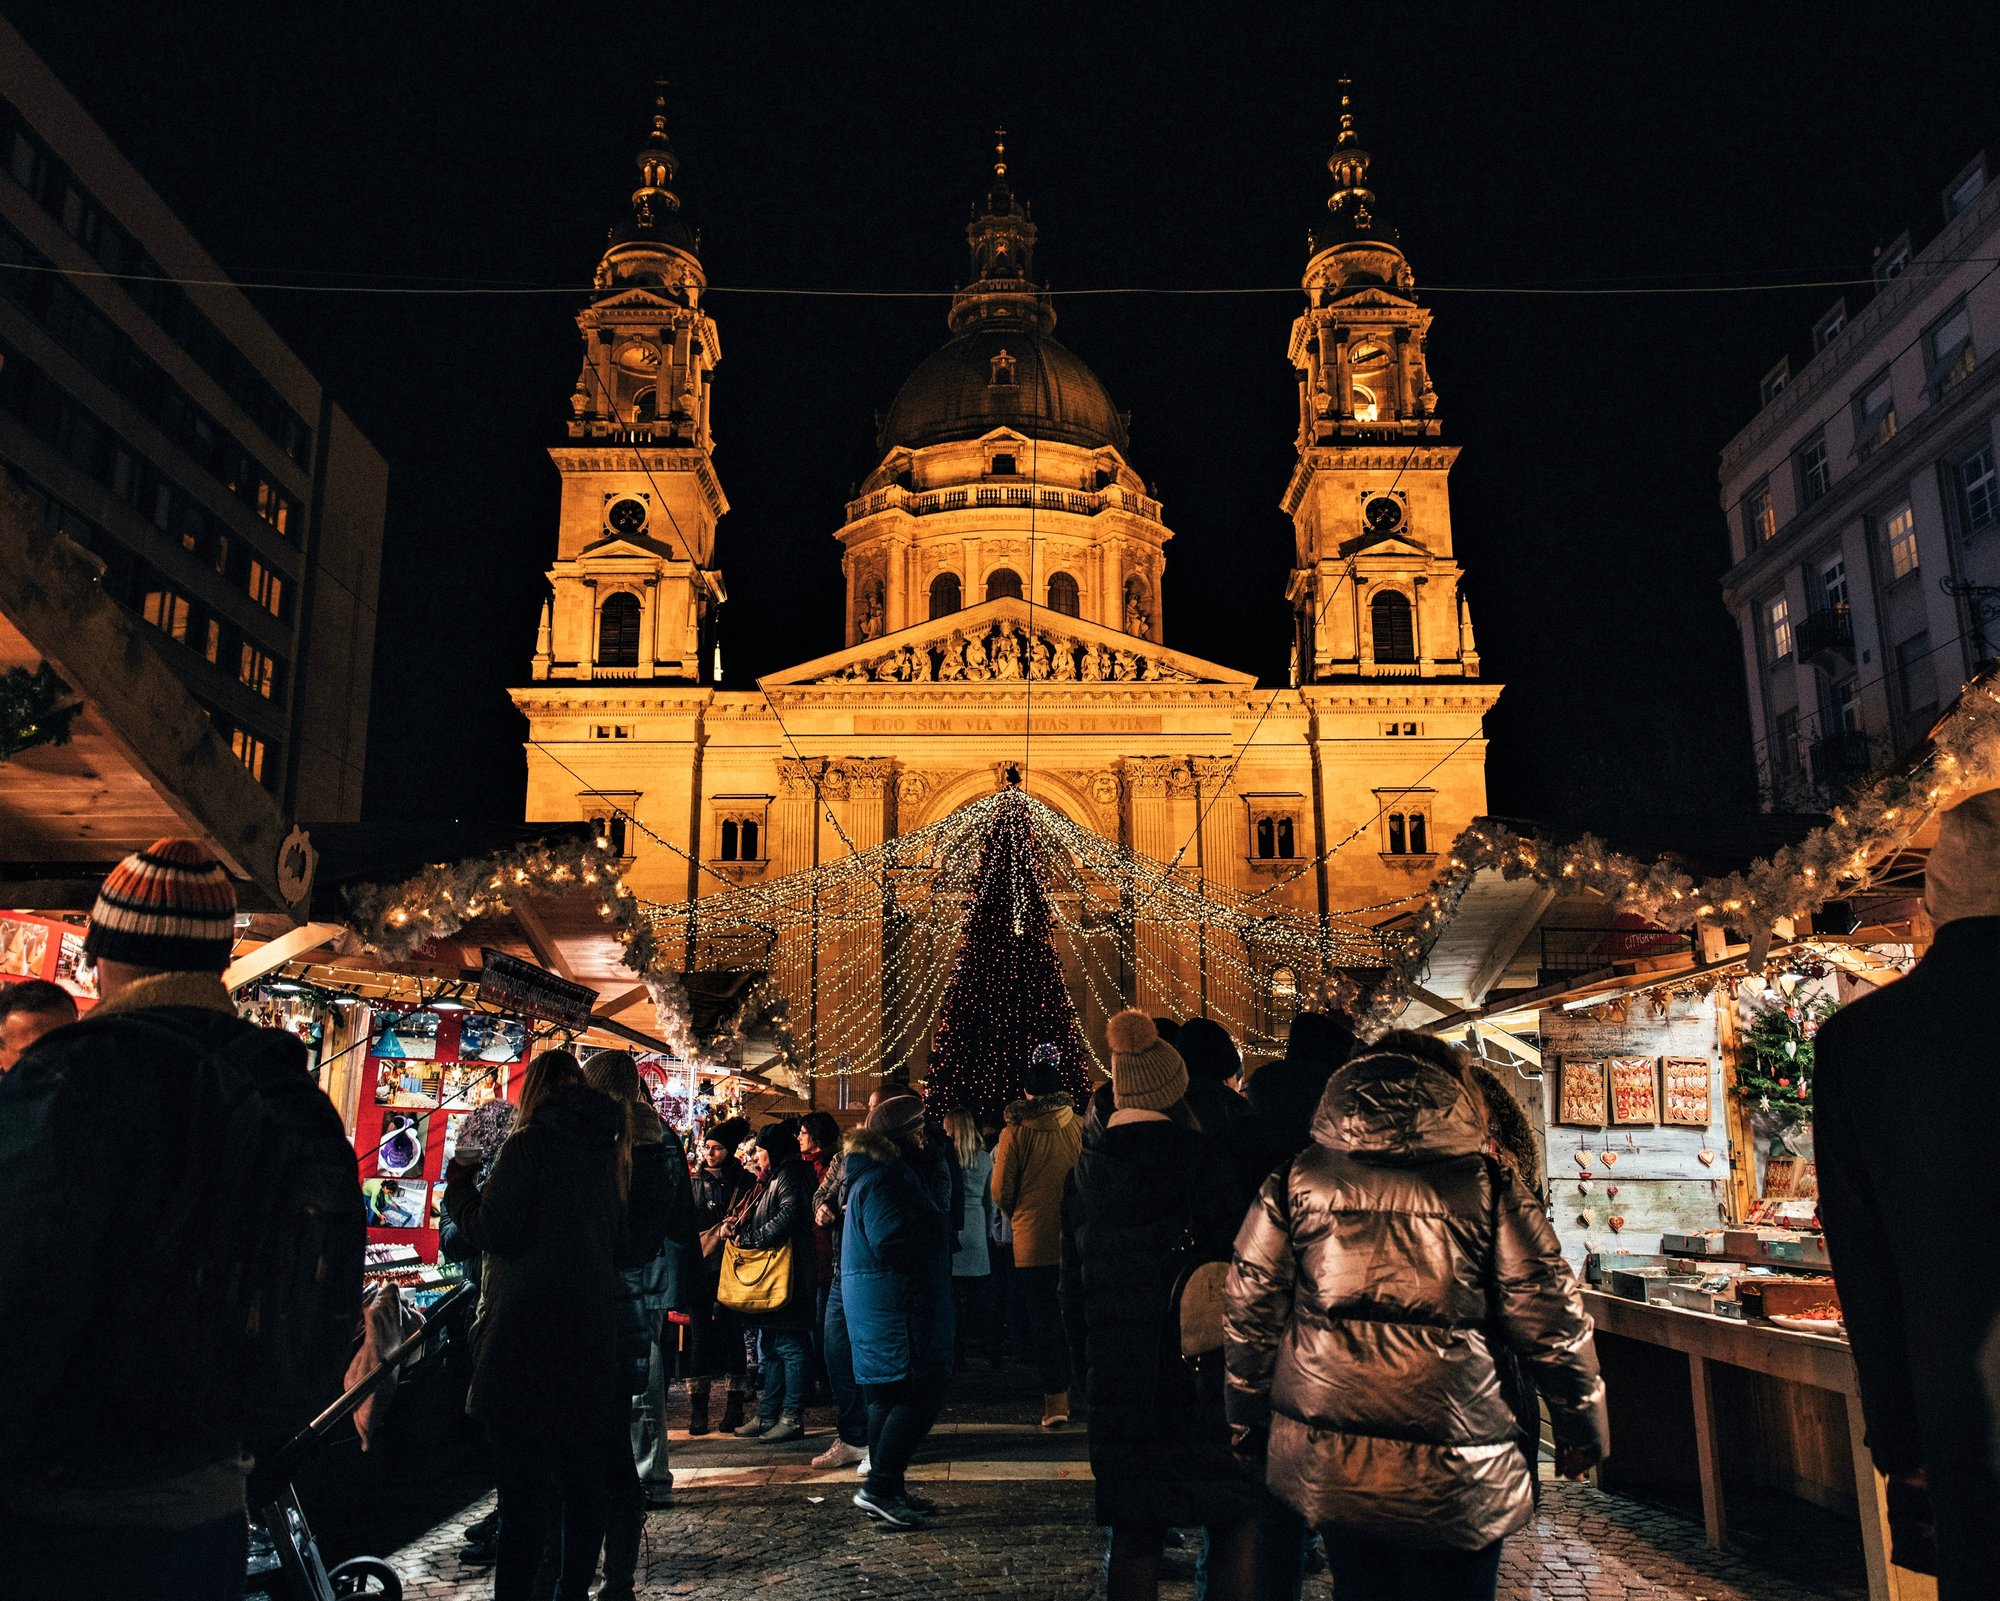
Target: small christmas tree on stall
1006	995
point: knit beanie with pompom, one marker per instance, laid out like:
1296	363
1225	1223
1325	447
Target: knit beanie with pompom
1147	1074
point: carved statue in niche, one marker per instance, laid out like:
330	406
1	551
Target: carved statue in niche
975	659
1041	664
1137	621
1065	662
868	621
1093	663
1007	653
952	667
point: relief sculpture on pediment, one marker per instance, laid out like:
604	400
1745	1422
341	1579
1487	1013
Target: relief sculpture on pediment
1005	652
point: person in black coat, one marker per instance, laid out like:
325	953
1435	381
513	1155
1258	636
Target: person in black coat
715	1339
1213	1064
552	1225
1885	1069
1153	1195
780	1213
1286	1093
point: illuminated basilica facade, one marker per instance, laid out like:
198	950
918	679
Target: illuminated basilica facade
1005	572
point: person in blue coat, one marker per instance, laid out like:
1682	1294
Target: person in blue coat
895	1286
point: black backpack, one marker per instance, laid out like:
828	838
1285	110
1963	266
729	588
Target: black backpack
277	1226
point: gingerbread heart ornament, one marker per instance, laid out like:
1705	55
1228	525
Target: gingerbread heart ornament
1608	1158
1706	1158
1583	1159
1617	1221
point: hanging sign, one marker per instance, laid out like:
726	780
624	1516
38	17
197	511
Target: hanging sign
530	991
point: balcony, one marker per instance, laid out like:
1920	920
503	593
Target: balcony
1825	639
1840	758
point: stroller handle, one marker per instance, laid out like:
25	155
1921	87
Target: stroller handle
344	1406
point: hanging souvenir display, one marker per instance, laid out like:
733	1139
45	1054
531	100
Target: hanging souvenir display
1580	1103
1684	1095
1635	1090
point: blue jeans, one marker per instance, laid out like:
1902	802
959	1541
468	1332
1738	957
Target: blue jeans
1374	1570
850	1411
787	1375
71	1562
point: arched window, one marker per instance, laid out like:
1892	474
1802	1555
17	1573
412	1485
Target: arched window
1064	595
646	405
618	631
729	840
1395	630
1281	1002
1003	583
946	596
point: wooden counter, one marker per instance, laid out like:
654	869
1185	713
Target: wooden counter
1804	1359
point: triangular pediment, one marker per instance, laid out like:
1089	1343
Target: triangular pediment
613	547
1014	643
639	297
1374	544
1375	296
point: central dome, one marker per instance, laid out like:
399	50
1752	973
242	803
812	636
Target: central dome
1005	375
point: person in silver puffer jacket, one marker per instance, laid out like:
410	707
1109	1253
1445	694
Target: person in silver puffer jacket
1371	1282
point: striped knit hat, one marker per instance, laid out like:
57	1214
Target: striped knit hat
169	906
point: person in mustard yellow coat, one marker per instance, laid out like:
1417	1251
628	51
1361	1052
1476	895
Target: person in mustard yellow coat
1037	1149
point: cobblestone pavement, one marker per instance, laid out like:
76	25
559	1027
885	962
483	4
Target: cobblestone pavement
750	1519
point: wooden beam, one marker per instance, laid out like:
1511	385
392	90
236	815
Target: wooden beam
274	954
618	1003
536	932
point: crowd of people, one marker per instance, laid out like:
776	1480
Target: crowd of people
1315	1314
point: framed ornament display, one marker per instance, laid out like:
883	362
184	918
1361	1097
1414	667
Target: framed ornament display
1635	1090
1684	1092
1580	1094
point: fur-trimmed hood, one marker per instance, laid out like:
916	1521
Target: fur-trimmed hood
878	1148
1035	1108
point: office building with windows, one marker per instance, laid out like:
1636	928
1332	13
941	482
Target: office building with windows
1864	509
158	421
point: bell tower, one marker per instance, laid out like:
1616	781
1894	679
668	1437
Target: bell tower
634	586
1374	588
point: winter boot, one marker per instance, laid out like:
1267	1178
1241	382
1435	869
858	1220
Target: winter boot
1055	1410
732	1412
698	1407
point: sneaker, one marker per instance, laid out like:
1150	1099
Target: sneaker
920	1503
753	1430
861	1467
658	1497
896	1512
839	1455
786	1428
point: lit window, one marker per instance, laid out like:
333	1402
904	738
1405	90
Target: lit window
1778	628
273	507
1899	537
266	588
249	750
1760	516
257	670
168	612
1064	596
211	641
1950	341
1833	584
1815	472
1875	416
1979	490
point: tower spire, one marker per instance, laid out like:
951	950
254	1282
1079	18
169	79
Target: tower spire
1001	236
657	166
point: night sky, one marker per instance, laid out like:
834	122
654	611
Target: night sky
838	148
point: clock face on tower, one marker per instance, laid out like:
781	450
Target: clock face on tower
1384	514
626	517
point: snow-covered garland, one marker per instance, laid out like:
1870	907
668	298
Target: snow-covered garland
400	919
1831	862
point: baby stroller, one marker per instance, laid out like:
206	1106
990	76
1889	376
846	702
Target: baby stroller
286	1561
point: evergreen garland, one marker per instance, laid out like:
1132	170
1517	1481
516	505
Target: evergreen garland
32	711
1777	1075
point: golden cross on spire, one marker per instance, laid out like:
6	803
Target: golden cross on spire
1000	152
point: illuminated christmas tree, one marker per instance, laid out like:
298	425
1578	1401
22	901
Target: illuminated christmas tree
1006	995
